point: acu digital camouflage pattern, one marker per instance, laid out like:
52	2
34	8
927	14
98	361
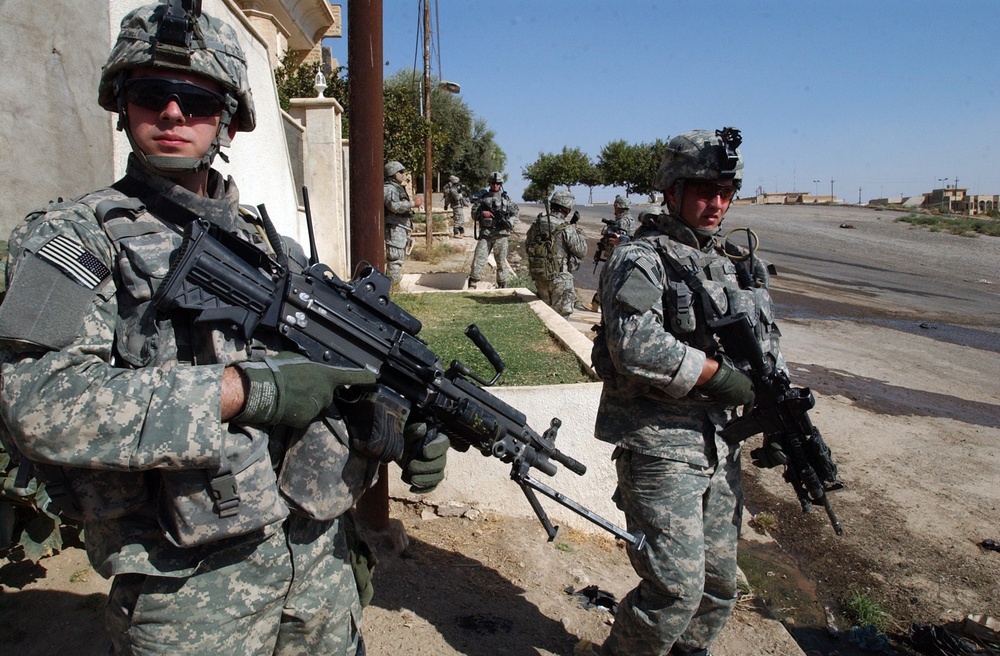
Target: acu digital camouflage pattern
398	225
106	397
456	198
494	234
554	278
679	481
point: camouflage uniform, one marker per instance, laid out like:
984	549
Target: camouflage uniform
554	282
398	224
222	538
679	482
455	198
494	233
624	218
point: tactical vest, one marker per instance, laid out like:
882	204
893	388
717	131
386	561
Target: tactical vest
543	250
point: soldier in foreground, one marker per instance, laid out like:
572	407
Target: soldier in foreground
495	215
456	198
398	219
211	473
555	246
668	391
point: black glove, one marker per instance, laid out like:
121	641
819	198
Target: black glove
290	389
768	456
576	217
729	386
424	458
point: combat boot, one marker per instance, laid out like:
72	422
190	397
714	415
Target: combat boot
472	283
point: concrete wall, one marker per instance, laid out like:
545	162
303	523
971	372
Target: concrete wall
59	142
56	139
485	482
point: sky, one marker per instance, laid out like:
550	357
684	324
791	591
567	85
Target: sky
872	98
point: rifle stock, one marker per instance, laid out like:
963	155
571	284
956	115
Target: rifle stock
781	412
355	324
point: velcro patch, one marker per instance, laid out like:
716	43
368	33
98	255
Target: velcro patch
75	261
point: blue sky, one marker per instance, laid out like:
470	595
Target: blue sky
883	96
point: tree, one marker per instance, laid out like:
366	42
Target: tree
631	166
571	166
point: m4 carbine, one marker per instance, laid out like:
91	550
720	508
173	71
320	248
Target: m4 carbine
781	412
612	235
355	324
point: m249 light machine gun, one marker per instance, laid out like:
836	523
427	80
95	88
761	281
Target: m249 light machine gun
355	324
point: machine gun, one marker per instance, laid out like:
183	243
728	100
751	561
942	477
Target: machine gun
354	324
612	235
781	412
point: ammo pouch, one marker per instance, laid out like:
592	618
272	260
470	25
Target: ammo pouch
320	476
198	508
93	494
681	309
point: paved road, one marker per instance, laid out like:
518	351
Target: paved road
861	264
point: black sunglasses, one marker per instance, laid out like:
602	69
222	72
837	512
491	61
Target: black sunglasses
709	190
154	93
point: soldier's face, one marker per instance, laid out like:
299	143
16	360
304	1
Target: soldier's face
705	202
172	130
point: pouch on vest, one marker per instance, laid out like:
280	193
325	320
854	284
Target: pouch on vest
680	307
197	507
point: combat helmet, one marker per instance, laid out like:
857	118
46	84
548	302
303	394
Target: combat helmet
453	179
392	168
701	154
175	36
621	203
563	198
496	178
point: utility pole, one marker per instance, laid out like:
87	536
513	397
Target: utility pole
364	57
833	198
428	176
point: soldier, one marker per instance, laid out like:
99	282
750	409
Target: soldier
496	215
398	219
668	391
555	245
622	215
456	197
211	473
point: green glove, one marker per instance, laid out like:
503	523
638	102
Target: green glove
291	390
425	457
730	387
769	455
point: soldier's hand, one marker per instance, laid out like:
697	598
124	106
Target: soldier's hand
729	386
486	214
769	455
576	217
291	390
425	457
418	201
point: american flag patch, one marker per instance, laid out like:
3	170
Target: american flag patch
79	264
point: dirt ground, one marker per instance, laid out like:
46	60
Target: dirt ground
914	425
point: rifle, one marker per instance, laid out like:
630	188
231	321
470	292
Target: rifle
781	412
611	236
355	324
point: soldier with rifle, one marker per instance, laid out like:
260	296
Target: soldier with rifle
689	354
210	468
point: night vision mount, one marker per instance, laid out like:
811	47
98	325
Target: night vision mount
728	158
177	27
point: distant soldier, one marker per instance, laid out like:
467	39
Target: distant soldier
555	246
398	219
456	197
622	215
496	215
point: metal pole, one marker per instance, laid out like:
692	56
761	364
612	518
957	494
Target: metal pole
364	60
428	179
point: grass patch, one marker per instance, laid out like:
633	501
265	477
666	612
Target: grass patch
532	356
438	252
439	223
763	522
963	226
863	610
